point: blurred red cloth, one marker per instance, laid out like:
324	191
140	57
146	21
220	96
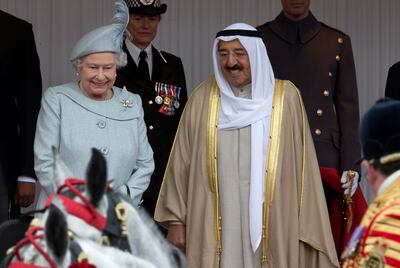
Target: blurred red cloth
334	200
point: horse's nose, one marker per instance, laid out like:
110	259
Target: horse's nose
179	257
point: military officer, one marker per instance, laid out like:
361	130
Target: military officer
318	59
159	78
376	242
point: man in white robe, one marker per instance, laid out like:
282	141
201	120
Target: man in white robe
242	186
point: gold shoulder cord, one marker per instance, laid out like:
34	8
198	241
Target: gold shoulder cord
272	160
212	128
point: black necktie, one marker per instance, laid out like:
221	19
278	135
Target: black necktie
143	66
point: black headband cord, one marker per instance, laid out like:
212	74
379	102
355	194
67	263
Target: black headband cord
250	33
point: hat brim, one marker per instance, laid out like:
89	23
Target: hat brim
148	10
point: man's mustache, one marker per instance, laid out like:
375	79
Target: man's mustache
236	67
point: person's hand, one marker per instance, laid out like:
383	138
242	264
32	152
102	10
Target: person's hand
346	183
177	236
25	194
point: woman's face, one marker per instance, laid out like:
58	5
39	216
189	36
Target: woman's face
97	74
143	29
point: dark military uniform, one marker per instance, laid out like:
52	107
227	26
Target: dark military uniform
393	82
161	128
319	61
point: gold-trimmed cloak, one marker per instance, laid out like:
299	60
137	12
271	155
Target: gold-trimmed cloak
297	230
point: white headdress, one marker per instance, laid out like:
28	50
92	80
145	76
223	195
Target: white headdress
238	112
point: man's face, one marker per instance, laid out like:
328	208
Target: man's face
143	29
295	9
368	171
234	62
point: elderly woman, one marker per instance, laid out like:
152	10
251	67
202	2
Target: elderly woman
92	113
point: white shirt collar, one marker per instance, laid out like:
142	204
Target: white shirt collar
134	51
389	181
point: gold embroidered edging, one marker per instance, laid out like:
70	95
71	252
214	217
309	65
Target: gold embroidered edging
212	128
303	120
390	195
272	159
389	158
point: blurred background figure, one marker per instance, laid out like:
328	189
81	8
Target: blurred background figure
158	77
21	87
376	241
92	113
392	89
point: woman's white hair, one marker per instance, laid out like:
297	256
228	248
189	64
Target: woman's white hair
121	60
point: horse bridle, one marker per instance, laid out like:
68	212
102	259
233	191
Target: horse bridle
33	235
113	227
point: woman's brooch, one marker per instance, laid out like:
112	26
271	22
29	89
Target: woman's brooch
127	103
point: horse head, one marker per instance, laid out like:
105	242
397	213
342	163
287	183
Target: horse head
100	214
45	245
49	243
87	221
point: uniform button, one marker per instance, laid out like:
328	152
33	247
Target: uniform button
340	40
318	132
151	127
330	74
104	150
150	102
101	124
319	112
337	58
326	93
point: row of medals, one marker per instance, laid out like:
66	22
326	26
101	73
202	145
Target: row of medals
161	87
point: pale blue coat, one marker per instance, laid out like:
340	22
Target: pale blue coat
75	123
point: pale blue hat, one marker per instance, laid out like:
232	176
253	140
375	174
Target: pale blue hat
104	39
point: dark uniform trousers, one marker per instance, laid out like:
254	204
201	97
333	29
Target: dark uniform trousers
168	73
3	197
392	89
319	61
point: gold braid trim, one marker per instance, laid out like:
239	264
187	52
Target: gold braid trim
349	201
212	128
304	124
272	160
389	158
388	196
